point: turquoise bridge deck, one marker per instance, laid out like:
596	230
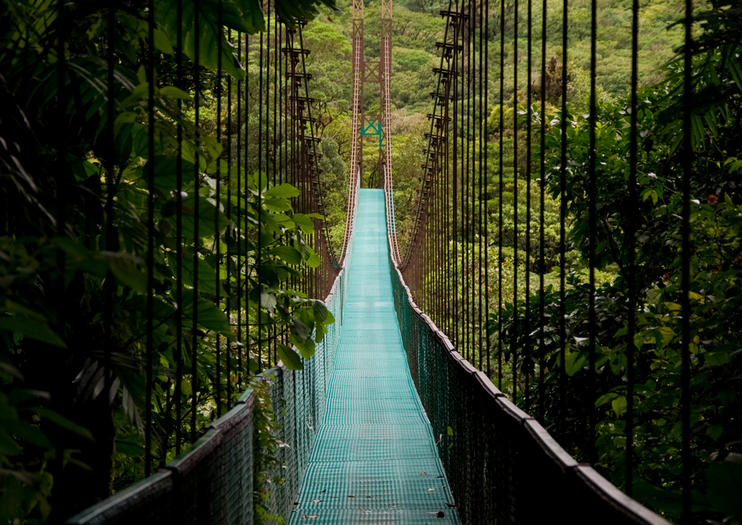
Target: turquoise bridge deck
374	459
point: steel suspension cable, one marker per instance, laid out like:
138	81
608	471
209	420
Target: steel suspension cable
483	345
467	172
267	172
230	234
196	218
286	133
591	453
239	269
444	162
109	162
217	237
685	260
631	247
473	178
485	140
500	193
479	138
562	227
514	335
61	197
542	222
527	348
462	146
245	346
258	259
455	183
244	150
178	393
149	344
275	156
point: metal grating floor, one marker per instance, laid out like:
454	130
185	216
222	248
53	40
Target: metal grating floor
374	459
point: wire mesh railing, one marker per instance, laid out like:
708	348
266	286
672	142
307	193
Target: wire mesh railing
563	226
503	466
236	473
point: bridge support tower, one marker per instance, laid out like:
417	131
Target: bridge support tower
378	71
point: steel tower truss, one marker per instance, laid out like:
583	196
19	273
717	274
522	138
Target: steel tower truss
371	71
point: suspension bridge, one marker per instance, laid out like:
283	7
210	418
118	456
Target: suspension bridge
386	402
369	453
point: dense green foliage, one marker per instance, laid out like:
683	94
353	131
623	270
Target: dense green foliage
73	238
715	282
74	235
416	28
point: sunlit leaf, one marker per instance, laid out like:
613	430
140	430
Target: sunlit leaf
304	222
281	191
288	253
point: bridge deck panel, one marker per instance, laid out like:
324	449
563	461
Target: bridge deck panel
374	459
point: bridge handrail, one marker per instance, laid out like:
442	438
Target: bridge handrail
502	464
213	482
391	218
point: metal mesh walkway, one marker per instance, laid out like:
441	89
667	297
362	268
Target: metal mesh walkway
374	459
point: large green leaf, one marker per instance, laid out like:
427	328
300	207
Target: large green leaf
206	217
276	204
268	301
293	12
31	329
321	314
26	432
299	329
290	358
78	257
63	422
282	191
8	446
210	316
127	269
574	361
306	347
289	254
166	171
209	35
314	260
305	222
242	15
27	323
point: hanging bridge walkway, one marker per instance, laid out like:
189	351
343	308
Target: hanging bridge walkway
356	441
374	458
